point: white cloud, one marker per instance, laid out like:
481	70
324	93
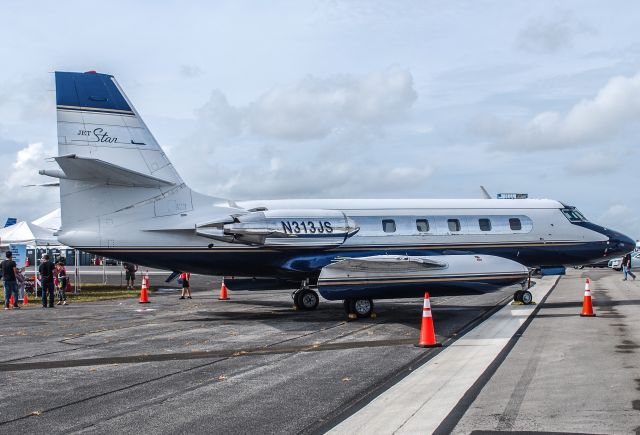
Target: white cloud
615	107
28	202
218	118
27	162
285	179
593	163
26	98
621	216
548	35
315	107
190	71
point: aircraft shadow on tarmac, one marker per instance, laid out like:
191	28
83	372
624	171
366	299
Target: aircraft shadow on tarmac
401	313
288	315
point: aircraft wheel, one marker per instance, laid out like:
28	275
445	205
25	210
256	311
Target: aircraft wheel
361	307
307	300
517	296
526	297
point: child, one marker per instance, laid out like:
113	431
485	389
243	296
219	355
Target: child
61	284
186	290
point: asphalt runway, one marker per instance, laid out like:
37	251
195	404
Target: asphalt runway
248	365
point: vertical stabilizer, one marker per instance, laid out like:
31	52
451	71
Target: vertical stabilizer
102	140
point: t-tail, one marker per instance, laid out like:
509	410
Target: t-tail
113	173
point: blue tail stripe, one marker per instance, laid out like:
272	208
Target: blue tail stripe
88	90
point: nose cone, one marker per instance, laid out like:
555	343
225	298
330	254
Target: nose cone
620	244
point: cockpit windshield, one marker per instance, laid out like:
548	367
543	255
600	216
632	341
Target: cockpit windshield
573	215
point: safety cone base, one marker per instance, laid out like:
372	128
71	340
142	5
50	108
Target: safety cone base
588	315
428	345
224	296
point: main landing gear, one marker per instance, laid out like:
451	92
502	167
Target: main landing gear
304	298
359	308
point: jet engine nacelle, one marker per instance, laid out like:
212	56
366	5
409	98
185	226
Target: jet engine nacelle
283	228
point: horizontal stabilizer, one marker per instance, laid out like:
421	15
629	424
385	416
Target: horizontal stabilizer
53	184
99	171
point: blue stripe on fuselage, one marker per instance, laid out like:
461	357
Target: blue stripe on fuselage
299	263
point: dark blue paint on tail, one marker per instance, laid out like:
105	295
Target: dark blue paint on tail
89	90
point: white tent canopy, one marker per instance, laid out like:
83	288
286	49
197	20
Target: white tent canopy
50	221
27	233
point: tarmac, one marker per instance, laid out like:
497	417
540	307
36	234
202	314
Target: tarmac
254	365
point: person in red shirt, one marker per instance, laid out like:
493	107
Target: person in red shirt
186	290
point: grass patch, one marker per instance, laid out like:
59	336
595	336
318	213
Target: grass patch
102	292
95	292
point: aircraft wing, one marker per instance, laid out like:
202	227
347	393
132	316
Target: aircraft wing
387	263
371	277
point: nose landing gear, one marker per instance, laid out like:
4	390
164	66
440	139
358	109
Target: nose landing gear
524	296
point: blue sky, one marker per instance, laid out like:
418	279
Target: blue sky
346	99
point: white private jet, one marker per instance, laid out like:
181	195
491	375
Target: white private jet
122	198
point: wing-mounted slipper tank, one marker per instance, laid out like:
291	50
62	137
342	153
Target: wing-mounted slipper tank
398	276
283	228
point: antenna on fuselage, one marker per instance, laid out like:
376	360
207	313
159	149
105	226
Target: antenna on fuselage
485	194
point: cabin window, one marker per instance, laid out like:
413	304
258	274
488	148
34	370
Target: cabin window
422	225
515	224
454	224
485	224
389	226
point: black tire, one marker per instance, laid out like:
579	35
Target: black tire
526	297
361	307
517	296
307	300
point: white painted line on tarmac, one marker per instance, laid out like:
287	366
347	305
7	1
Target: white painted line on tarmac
423	399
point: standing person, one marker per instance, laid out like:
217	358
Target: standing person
61	275
130	274
186	289
46	271
626	267
9	271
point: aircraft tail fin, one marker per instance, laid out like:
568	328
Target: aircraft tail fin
109	159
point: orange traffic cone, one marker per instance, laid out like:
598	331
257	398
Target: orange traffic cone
144	296
223	292
12	303
25	299
427	333
587	307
